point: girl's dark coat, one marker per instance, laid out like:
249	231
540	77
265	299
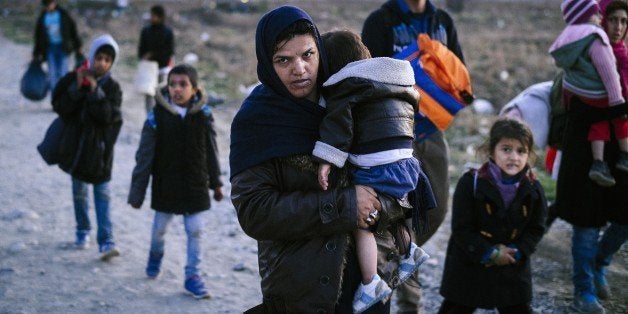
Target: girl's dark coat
480	221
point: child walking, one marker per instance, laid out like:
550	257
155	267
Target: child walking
178	149
498	217
88	101
584	52
370	121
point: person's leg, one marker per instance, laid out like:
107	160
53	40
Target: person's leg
101	202
350	282
194	230
584	246
366	251
621	133
612	240
158	232
57	64
81	206
434	155
448	307
157	243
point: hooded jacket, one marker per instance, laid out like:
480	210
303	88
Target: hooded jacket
181	155
370	108
92	121
302	232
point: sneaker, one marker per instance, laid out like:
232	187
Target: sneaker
154	264
622	163
600	174
108	251
587	303
601	285
367	295
82	239
408	265
196	287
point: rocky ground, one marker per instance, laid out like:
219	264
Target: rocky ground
40	272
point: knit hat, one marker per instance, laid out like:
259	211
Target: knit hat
579	11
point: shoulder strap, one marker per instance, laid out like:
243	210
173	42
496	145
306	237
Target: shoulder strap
475	181
152	122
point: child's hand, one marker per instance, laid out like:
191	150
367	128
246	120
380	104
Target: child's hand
218	194
323	175
506	256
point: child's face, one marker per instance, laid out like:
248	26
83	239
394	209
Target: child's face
102	64
181	89
596	19
616	24
510	156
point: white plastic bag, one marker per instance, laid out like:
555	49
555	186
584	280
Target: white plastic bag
146	77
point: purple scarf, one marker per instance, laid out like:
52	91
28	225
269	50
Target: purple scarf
507	187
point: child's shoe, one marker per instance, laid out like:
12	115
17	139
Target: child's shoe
600	174
154	264
414	259
82	239
367	295
622	163
196	287
601	285
108	251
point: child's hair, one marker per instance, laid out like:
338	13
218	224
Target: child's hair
158	11
108	50
510	128
185	69
46	2
615	6
343	47
300	27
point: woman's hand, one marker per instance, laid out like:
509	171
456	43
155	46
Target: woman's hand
368	206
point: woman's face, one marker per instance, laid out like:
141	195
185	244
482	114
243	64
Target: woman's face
510	156
616	23
296	63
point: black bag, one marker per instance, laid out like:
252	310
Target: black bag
558	114
49	147
34	84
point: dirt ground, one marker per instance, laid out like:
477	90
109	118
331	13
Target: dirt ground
41	272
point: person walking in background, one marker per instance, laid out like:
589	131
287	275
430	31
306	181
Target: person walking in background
178	149
370	122
584	52
307	261
157	44
55	39
386	32
498	218
88	102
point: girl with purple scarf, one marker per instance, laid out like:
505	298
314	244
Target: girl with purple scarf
497	220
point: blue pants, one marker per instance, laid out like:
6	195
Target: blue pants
101	202
194	231
58	62
587	248
396	179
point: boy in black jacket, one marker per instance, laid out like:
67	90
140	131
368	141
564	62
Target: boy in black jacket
88	101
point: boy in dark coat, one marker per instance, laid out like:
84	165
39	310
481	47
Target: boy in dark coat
88	101
178	149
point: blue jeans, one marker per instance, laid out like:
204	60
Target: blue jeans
194	231
101	202
612	240
58	62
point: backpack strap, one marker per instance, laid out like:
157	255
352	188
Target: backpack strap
475	181
150	119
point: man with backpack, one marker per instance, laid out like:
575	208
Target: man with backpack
386	32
